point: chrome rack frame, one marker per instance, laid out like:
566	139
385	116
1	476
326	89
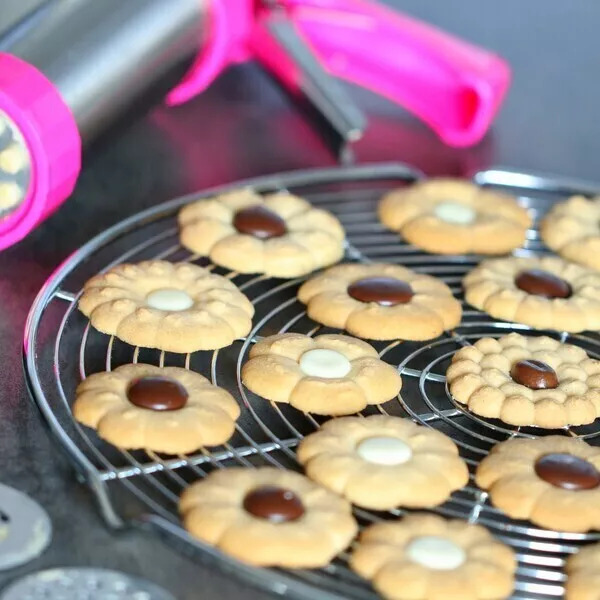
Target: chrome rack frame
142	488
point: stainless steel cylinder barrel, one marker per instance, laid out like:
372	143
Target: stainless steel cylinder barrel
102	55
68	70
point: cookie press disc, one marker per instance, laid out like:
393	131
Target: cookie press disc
15	164
25	528
83	584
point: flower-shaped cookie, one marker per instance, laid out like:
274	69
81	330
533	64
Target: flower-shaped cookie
167	409
572	229
454	216
425	557
280	235
527	381
382	462
381	302
583	574
178	307
553	481
545	293
324	375
268	517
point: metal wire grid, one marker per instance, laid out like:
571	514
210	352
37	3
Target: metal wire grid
267	433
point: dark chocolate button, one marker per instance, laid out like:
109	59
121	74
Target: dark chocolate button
157	393
260	222
542	283
274	504
386	291
534	374
567	472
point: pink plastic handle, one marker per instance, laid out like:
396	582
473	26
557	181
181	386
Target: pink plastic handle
450	84
231	26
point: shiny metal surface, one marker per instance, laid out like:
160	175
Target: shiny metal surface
103	55
83	584
14	11
25	528
139	487
326	93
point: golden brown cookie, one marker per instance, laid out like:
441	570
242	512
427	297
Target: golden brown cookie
178	307
583	574
268	517
166	409
527	381
381	302
382	462
572	229
553	481
542	292
324	375
425	557
455	216
280	235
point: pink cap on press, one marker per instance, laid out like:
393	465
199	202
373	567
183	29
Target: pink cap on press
36	108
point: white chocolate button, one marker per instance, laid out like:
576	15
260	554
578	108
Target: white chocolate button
384	451
435	553
452	212
13	158
324	363
169	299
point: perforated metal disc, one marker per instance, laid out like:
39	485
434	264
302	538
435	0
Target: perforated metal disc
15	166
25	528
83	584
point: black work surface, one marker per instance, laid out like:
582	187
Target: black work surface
245	126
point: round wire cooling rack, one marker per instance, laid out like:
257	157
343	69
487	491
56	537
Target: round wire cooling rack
142	488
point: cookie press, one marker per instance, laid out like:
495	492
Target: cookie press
69	69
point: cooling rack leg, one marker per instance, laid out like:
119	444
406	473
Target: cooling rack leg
103	499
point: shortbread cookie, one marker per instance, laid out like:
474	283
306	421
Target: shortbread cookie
178	307
583	574
324	375
553	481
542	292
455	216
268	517
527	381
425	557
572	229
280	235
382	462
381	302
165	409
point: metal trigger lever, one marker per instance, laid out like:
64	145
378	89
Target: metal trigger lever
325	93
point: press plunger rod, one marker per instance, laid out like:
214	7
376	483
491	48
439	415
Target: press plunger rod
326	94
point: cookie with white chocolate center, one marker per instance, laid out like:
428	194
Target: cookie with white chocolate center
455	216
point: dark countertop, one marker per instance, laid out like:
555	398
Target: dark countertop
245	126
